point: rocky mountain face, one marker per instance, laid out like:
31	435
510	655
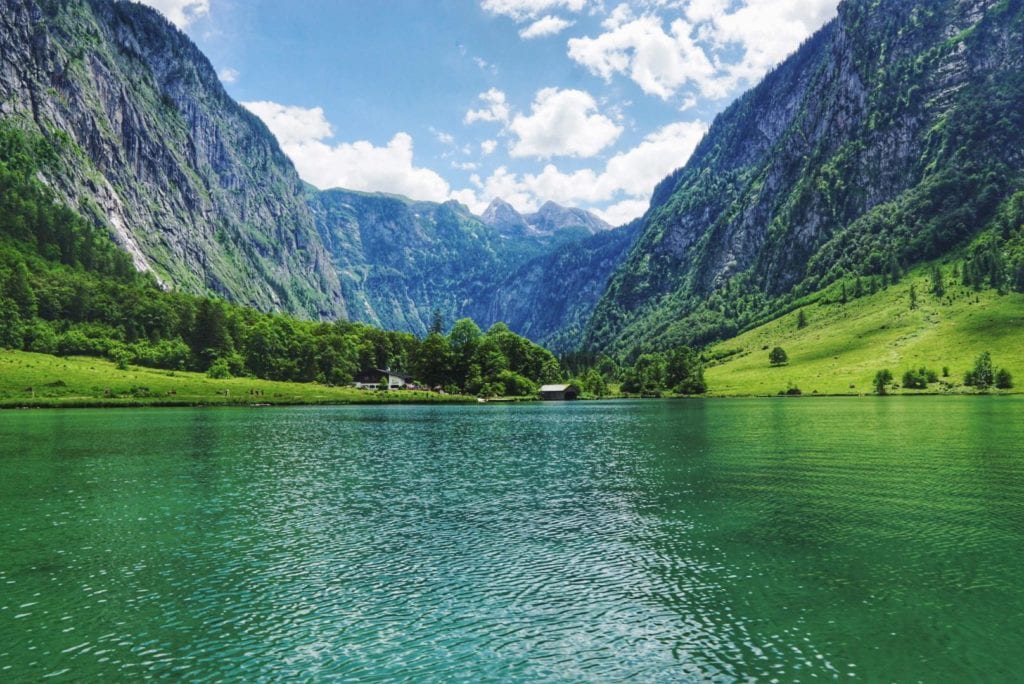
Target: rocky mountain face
146	140
399	260
547	221
891	137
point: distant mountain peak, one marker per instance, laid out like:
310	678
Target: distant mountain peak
504	218
552	217
549	219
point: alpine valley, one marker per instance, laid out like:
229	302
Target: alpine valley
888	149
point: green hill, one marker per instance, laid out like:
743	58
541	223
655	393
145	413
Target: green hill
844	345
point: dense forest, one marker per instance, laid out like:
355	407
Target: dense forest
67	289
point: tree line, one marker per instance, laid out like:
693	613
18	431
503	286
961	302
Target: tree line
67	289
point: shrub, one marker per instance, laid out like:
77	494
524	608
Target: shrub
219	370
778	356
920	378
982	375
882	378
1003	379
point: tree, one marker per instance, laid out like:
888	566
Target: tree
464	339
982	376
913	297
594	384
432	361
801	320
210	336
882	378
778	356
684	372
436	322
938	286
1003	379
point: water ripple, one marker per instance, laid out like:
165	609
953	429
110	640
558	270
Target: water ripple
662	541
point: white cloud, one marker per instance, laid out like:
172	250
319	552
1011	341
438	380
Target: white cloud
713	47
623	212
292	125
545	26
523	10
442	137
562	122
488	146
626	182
358	165
659	62
496	108
767	30
181	12
228	75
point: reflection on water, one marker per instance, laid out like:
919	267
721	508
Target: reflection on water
878	539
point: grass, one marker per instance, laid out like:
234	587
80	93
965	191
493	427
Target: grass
844	345
40	380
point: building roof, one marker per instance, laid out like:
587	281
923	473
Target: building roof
554	388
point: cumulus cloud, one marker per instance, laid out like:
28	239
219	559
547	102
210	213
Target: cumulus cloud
495	109
181	12
488	146
523	10
545	26
228	75
624	186
657	61
562	123
712	46
303	134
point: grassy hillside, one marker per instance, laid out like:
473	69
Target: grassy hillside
844	345
28	379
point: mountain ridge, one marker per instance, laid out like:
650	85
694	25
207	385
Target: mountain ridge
892	136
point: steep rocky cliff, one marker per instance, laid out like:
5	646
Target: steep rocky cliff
192	185
144	140
890	137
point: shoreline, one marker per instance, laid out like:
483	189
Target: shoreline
44	404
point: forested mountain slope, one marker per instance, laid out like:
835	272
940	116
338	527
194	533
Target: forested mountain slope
141	137
146	141
893	136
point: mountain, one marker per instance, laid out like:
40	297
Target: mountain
893	136
399	260
141	137
547	221
552	217
146	141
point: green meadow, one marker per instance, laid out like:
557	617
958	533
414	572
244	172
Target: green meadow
41	380
842	346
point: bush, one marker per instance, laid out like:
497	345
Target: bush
515	385
982	376
882	378
1003	379
219	370
920	378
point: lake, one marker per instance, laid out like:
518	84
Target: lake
860	538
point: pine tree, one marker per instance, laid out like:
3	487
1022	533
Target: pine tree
938	286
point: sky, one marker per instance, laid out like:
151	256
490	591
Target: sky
586	103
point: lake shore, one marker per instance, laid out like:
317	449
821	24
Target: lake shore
40	381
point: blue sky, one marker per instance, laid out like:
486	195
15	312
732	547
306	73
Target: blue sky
583	102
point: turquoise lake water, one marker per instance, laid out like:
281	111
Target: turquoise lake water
875	539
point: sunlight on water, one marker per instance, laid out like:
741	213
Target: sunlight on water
861	538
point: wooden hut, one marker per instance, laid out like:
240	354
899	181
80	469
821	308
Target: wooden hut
559	392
